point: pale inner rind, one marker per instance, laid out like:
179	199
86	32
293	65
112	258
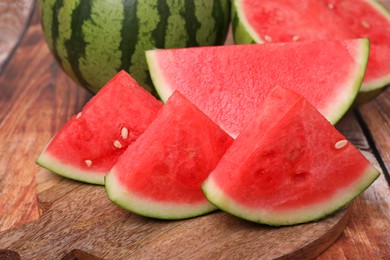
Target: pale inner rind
311	212
69	171
151	208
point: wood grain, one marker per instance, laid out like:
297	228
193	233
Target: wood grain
14	18
35	102
80	216
366	235
376	118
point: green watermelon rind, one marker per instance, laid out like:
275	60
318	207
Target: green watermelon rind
45	160
334	113
122	197
243	33
160	84
371	90
349	98
311	213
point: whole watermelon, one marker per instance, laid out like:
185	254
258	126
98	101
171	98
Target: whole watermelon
94	39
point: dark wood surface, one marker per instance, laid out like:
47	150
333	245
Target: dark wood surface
36	99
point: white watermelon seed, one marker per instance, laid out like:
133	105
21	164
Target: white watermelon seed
365	24
78	115
295	38
88	163
267	38
117	144
330	6
340	144
124	133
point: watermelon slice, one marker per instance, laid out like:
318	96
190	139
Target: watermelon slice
229	82
90	143
287	21
288	166
161	173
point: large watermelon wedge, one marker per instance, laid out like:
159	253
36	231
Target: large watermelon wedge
288	166
229	82
161	173
306	20
89	145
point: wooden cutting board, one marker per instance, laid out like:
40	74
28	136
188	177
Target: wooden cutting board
78	219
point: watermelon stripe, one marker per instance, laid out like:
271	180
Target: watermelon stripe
160	31
159	35
75	46
54	28
148	17
206	30
218	13
62	20
128	31
176	35
102	34
46	9
191	25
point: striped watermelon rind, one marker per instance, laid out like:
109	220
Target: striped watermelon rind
243	33
93	40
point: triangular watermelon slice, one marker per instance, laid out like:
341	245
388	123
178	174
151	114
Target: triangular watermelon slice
90	143
288	166
268	21
228	83
161	173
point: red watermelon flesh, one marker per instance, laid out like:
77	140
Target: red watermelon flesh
161	173
308	20
90	143
288	166
228	83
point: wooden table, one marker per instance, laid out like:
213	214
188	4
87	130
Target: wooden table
37	98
